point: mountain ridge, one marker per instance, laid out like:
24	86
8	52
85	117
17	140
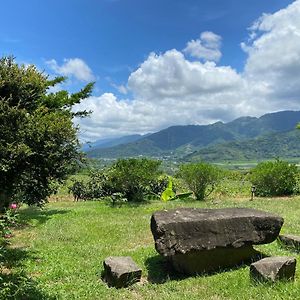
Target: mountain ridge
181	140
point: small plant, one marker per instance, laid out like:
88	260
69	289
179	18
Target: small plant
168	193
274	178
8	219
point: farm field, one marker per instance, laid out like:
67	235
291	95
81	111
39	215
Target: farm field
58	252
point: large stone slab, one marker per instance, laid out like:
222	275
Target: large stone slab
121	271
202	240
273	269
290	240
183	230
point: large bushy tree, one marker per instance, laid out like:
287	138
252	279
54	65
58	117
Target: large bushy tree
134	177
201	178
274	178
38	141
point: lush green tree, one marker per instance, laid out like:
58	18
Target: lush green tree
201	178
38	141
274	178
134	177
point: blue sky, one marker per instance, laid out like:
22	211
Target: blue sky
111	42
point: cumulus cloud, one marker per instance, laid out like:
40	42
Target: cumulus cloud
172	75
74	67
274	57
113	117
207	47
169	89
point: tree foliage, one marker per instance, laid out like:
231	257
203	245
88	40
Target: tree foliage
131	178
274	178
201	178
38	141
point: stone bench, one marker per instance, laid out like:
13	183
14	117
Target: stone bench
204	240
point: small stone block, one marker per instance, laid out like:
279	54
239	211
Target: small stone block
291	241
272	269
121	271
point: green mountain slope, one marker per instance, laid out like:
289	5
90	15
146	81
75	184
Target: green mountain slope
182	140
282	145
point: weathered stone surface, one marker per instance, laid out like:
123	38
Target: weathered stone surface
121	271
211	260
184	230
273	269
204	240
291	241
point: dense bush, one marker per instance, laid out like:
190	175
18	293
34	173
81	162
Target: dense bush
201	178
96	185
133	177
128	178
274	178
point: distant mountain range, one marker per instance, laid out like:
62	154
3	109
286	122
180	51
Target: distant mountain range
107	143
272	134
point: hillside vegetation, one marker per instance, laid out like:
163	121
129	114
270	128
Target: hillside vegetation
284	145
179	141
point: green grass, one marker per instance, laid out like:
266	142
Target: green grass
59	254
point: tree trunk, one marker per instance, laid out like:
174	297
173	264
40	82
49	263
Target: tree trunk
4	200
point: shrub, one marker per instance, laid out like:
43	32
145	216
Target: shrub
200	178
274	178
95	187
129	179
158	185
133	177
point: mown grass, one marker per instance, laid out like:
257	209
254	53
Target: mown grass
58	254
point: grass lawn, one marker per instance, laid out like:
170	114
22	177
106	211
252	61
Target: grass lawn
58	254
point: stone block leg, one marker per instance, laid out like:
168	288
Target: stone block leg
272	269
198	262
290	241
121	271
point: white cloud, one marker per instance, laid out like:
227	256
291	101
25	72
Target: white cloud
207	47
122	89
113	118
171	75
274	58
169	89
75	67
